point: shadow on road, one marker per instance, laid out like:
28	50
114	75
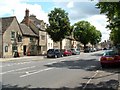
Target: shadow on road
108	85
89	65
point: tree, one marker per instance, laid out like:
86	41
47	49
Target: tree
59	25
82	32
95	36
111	9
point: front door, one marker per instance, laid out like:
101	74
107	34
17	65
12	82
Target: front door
24	49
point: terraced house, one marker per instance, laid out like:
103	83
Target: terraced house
29	37
38	28
11	37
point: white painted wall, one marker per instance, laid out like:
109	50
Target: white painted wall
49	42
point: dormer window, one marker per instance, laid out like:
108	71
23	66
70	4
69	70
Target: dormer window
38	25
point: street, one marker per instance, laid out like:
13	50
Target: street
76	72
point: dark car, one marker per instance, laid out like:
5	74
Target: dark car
87	50
109	58
56	53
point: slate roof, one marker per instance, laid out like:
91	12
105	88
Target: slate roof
37	22
27	31
34	28
6	22
33	24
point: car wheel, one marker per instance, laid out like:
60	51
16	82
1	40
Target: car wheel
103	65
56	56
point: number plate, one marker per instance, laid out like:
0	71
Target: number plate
110	58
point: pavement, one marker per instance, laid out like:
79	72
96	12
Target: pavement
22	58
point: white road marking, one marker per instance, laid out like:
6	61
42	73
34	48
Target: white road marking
14	64
17	69
90	79
51	62
28	74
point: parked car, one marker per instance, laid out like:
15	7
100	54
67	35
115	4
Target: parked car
110	57
87	50
56	53
75	51
67	52
93	49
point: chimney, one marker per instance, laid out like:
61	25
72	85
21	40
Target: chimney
26	18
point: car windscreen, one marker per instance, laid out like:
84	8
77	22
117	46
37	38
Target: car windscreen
109	53
50	51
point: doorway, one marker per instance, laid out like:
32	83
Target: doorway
24	49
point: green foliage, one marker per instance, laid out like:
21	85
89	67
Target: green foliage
59	25
95	36
84	32
112	11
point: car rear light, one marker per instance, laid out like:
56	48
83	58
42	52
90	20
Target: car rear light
117	57
103	58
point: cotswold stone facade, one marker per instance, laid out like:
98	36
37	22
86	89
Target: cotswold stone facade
1	38
11	37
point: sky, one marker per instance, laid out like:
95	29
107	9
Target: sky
77	10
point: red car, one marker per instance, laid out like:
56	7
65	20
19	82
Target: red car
67	52
110	58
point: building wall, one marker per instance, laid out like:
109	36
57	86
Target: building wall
29	44
42	42
8	42
49	43
56	45
66	44
42	38
0	38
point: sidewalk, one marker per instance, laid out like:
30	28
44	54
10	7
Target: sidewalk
22	58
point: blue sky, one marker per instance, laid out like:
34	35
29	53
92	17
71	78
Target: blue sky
77	10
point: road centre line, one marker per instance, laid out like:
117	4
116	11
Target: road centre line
28	74
90	79
17	69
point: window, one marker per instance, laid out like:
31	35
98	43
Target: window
42	37
44	48
19	38
6	48
51	44
48	44
31	39
12	35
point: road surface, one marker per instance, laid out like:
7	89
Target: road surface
80	72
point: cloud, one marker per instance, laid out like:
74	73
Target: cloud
86	11
83	10
70	4
18	7
77	11
100	22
